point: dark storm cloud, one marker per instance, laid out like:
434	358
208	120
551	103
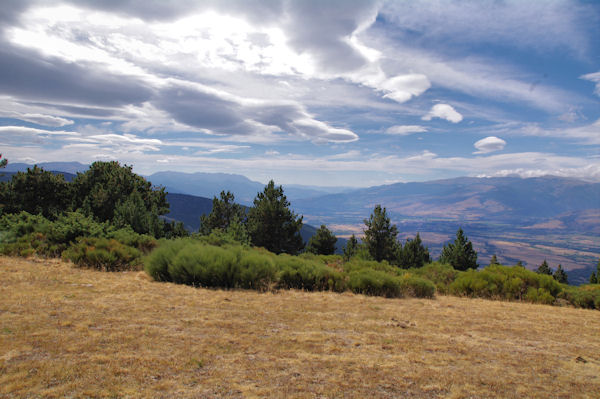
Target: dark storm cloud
28	75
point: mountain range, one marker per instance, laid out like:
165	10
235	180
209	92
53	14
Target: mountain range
517	219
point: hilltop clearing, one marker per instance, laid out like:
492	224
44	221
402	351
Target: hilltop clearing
67	332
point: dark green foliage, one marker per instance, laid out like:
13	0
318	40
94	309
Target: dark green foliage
560	275
513	283
224	212
305	274
375	282
37	192
442	275
413	254
380	236
494	260
460	254
271	223
544	269
323	242
595	277
351	247
111	192
3	162
26	234
587	296
103	254
157	264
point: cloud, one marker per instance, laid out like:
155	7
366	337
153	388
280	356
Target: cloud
403	88
38	119
520	23
593	77
405	130
489	144
443	111
33	131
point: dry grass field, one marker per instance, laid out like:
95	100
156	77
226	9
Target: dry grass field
67	332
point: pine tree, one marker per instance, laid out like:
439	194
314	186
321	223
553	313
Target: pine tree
520	264
494	260
544	268
3	162
323	242
380	236
272	225
413	254
351	247
460	254
224	211
560	275
595	277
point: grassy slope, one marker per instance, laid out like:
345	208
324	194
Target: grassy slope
72	332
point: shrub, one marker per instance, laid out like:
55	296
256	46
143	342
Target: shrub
511	283
103	254
585	296
374	282
204	265
442	275
417	286
158	261
305	274
258	271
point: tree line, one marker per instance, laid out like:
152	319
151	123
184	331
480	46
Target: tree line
109	192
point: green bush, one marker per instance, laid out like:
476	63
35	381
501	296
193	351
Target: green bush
103	254
442	275
586	296
502	282
258	271
356	264
306	274
374	282
416	286
158	261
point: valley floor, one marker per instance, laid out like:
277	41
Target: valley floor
67	332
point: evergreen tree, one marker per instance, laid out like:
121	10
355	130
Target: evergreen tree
3	162
105	185
380	236
460	254
560	275
36	191
323	242
272	225
595	277
494	260
413	254
544	268
351	247
224	211
113	193
520	264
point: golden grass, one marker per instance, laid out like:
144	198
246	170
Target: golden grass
67	332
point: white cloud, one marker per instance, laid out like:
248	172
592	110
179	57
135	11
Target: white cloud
489	144
593	77
33	131
405	130
443	111
39	119
403	88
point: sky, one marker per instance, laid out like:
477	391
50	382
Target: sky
321	93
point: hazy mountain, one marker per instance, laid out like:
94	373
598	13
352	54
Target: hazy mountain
69	167
245	190
188	209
